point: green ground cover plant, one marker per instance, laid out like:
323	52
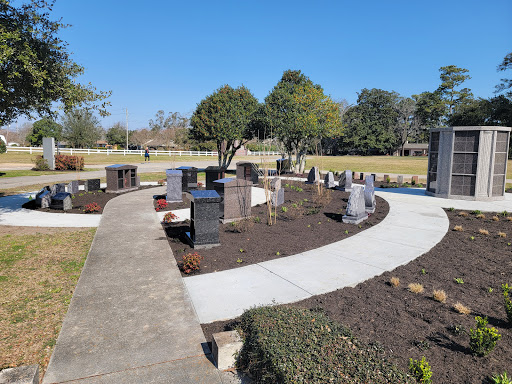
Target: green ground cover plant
293	345
483	339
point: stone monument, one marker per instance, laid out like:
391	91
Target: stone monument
282	165
329	180
121	178
189	179
174	185
400	179
277	196
355	206
212	174
62	201
92	185
345	182
246	170
369	195
236	199
44	198
49	151
204	219
73	187
313	176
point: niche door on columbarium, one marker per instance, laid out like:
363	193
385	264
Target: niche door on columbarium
468	163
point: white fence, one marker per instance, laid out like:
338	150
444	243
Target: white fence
87	151
263	153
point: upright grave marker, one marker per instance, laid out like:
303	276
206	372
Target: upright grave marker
277	197
246	170
355	206
49	151
92	185
236	199
122	178
369	195
204	219
313	176
62	201
329	180
212	174
345	182
189	178
174	185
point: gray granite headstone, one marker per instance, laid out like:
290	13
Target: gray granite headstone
369	195
92	185
345	182
73	187
277	195
174	185
49	151
313	176
60	188
355	206
53	189
43	198
62	201
400	179
329	180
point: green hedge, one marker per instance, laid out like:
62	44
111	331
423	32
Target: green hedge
291	345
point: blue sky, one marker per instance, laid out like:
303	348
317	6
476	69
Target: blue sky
171	54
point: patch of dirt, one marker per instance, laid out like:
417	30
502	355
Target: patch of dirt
410	325
308	223
80	200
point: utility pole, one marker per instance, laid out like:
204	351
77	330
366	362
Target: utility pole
126	128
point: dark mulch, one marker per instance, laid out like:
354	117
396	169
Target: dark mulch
315	223
80	200
412	325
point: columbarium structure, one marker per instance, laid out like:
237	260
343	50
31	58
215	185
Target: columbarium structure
468	163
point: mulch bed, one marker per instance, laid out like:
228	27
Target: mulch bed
80	200
311	223
409	325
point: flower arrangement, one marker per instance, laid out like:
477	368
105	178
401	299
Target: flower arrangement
169	217
191	262
161	204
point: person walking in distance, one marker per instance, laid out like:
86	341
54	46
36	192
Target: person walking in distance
146	154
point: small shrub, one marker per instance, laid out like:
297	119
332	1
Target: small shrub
476	212
388	180
3	147
394	281
504	213
458	280
482	339
439	295
483	231
415	288
161	204
169	217
191	262
463	214
501	379
451	209
420	185
423	271
480	216
284	209
508	302
471	238
458	228
92	207
420	370
502	234
462	309
41	164
257	219
65	162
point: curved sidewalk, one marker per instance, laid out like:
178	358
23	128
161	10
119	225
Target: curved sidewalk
414	225
130	319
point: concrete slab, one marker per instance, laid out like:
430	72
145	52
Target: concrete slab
225	295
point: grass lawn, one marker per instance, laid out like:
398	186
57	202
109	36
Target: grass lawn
39	268
29	172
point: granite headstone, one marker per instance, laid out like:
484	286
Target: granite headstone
400	179
329	180
92	185
204	219
369	195
345	182
73	187
174	185
61	200
313	176
355	206
44	198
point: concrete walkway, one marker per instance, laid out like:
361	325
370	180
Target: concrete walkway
130	319
414	225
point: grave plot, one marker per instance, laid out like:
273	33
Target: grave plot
304	222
